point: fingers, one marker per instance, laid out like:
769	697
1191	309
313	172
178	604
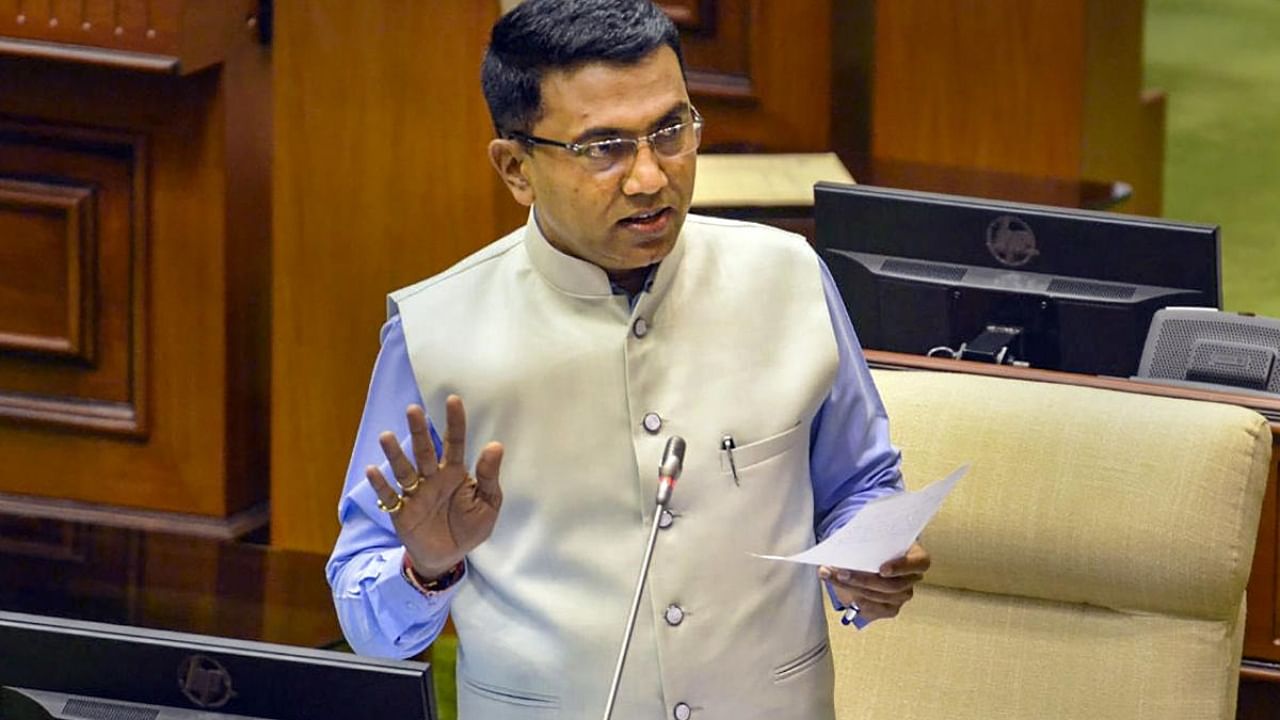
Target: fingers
424	451
915	562
381	487
400	465
487	468
863	589
455	434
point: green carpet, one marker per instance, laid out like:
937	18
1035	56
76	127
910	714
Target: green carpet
1219	62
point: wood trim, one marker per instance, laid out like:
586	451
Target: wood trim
119	59
229	528
1259	672
1265	406
722	85
129	419
104	417
74	203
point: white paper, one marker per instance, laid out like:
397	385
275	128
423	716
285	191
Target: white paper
882	530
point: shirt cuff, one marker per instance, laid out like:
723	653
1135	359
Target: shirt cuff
399	605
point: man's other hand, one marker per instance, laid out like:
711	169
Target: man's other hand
879	595
442	511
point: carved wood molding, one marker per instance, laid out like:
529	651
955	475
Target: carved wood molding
73	224
68	208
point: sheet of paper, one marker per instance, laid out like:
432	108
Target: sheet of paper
881	531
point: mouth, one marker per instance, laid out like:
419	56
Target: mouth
649	221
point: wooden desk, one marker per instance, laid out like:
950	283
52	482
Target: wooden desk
165	581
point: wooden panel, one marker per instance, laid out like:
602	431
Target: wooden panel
186	186
761	75
1124	128
47	283
995	85
1038	88
153	35
76	278
691	15
381	178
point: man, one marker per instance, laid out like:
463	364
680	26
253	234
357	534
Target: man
580	343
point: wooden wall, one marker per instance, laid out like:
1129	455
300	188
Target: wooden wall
381	179
1041	88
133	234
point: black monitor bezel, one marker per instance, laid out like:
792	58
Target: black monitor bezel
141	665
905	215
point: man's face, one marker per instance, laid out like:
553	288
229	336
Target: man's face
626	217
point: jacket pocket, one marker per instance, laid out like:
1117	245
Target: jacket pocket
754	453
802	662
508	696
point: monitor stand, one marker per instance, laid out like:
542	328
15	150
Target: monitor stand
992	345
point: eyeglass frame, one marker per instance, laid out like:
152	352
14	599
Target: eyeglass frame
578	150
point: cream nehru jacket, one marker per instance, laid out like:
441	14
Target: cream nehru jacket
733	337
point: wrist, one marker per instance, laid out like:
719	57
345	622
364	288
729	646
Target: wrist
434	582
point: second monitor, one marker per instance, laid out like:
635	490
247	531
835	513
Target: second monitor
1013	283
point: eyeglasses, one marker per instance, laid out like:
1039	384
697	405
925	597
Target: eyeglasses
602	156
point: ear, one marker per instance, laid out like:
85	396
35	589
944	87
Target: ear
507	157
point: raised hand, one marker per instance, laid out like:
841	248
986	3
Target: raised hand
442	512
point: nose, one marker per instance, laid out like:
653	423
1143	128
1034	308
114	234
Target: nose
646	176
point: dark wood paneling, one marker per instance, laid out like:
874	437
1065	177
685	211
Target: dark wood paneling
760	74
381	178
47	284
1039	88
691	15
180	174
79	241
149	35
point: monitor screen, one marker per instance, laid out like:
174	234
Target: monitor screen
66	665
1046	287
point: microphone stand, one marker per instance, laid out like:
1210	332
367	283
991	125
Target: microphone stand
672	459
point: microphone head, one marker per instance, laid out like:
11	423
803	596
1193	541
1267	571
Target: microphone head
672	458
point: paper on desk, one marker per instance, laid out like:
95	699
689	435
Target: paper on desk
882	530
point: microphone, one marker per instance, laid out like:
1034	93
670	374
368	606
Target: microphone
669	469
668	473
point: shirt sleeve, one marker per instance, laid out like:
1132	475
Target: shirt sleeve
851	460
381	614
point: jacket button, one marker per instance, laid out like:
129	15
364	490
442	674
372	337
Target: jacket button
640	328
652	423
674	615
681	711
665	519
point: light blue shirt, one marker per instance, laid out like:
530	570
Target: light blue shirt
851	461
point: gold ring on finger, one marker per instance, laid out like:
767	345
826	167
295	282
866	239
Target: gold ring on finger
408	488
394	508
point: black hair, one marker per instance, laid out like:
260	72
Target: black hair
541	35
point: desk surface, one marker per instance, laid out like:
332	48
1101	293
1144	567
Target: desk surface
164	581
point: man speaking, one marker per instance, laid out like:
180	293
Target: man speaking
579	344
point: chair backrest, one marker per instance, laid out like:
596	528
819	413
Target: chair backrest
1091	565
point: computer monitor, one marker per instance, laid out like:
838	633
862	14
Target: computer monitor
67	668
1014	283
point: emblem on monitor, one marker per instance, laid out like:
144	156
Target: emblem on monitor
204	681
1011	241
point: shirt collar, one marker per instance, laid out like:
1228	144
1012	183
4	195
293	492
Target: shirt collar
574	276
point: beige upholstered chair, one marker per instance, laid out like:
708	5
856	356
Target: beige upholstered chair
1091	565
